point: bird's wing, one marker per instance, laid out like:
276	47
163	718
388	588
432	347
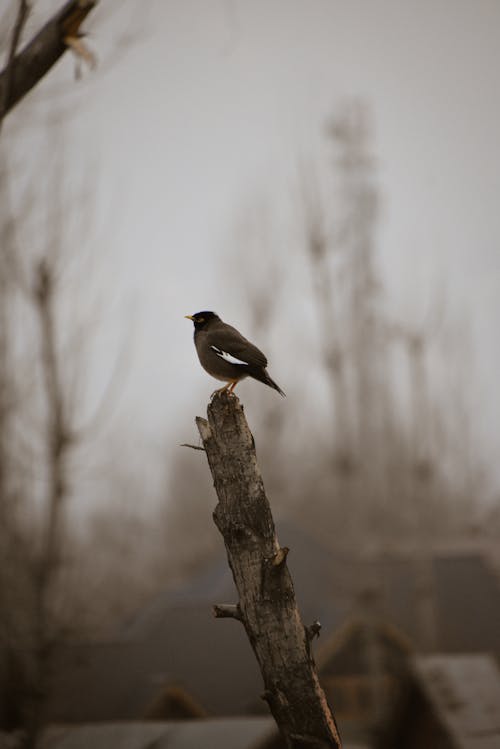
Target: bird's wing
228	343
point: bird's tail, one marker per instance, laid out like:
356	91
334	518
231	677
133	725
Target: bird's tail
268	381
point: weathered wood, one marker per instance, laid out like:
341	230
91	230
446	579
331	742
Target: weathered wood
267	605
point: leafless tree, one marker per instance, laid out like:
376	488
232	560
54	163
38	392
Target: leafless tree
37	431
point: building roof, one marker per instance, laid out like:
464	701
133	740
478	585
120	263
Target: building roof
345	644
176	641
468	600
210	659
464	691
329	585
309	561
215	733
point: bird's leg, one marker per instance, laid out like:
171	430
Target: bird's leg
232	386
228	388
221	390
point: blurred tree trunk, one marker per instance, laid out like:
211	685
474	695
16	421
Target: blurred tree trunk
267	606
48	562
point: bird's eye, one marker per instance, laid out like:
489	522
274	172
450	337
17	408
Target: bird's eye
200	319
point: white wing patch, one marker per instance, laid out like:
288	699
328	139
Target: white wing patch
228	357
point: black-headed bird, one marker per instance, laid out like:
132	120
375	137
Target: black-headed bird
226	355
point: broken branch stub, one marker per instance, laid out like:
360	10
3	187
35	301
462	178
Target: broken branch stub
267	605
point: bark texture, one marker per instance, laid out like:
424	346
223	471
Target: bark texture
267	606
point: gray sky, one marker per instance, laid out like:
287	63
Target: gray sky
211	107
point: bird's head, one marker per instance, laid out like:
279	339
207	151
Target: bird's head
202	319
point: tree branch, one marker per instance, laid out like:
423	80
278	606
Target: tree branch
193	447
21	18
267	604
27	68
227	611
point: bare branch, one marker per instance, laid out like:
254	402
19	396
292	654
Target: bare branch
280	556
22	16
193	447
227	611
27	68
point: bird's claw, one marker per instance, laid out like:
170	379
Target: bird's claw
218	392
224	391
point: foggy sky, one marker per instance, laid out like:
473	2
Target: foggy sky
209	107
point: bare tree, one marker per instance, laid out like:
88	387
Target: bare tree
34	486
38	433
323	252
58	442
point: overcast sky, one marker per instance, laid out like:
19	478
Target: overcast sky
199	108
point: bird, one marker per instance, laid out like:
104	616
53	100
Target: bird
226	355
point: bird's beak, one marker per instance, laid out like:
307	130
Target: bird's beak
189	317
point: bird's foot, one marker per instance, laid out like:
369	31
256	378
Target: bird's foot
228	388
219	391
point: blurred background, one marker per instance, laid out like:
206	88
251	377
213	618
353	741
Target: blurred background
325	176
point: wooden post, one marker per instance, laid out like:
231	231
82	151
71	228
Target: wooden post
267	606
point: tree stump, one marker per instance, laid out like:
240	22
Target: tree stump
267	607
